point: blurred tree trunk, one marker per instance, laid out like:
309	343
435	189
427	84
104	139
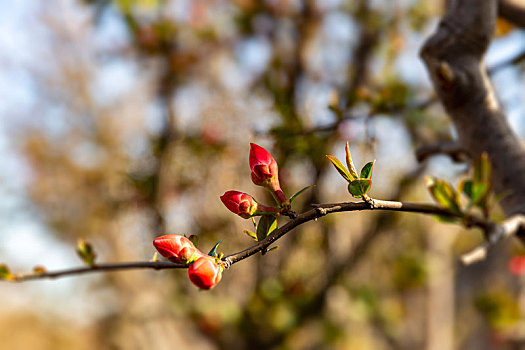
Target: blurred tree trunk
454	59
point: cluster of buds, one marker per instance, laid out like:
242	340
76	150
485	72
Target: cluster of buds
264	172
204	271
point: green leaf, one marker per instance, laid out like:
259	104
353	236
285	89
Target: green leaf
444	194
366	172
5	273
274	248
86	252
482	170
300	192
359	187
267	224
447	219
213	250
251	234
482	182
465	186
349	162
341	169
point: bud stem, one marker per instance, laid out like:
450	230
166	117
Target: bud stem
278	194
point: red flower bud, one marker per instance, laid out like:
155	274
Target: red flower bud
205	273
262	165
265	173
177	249
517	265
239	203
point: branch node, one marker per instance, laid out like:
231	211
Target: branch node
227	263
321	211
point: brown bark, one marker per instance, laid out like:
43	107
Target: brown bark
513	11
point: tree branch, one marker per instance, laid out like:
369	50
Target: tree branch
452	149
508	227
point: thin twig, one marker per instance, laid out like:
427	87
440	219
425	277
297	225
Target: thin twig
156	265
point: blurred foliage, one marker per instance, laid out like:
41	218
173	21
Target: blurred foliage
205	78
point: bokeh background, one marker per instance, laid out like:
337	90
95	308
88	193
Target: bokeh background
123	120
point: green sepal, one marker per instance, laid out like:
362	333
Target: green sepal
341	169
359	187
444	194
213	250
350	163
299	192
86	252
366	172
267	224
251	234
5	273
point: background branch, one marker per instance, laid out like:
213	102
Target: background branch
513	11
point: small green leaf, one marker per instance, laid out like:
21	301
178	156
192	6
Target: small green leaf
444	194
349	162
213	250
482	182
360	187
300	192
251	234
5	273
465	186
274	248
341	169
366	172
267	224
482	169
86	252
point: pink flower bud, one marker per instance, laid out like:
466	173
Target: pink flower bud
239	203
262	165
177	249
205	273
